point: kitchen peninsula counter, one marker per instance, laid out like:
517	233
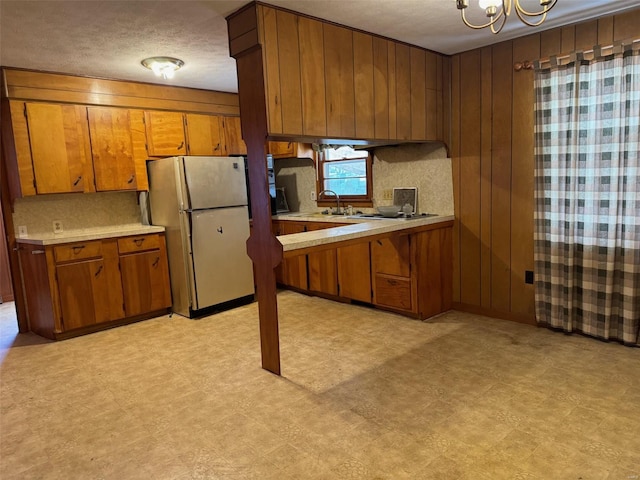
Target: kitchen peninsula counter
357	229
86	234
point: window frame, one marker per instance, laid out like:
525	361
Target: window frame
354	200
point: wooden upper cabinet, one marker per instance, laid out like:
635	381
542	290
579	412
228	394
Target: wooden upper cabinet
281	149
112	148
338	56
165	133
363	82
205	135
233	136
322	80
312	76
58	139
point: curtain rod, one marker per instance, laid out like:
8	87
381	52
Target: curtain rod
596	52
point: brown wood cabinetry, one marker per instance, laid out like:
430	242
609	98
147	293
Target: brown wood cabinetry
292	272
145	274
78	287
58	147
88	283
290	150
329	81
322	266
391	260
165	133
205	134
409	273
112	151
354	272
233	135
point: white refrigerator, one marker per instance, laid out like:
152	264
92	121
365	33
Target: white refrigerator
202	203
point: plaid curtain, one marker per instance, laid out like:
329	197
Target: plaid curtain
587	208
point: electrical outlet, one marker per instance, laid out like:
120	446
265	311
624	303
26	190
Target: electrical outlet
57	226
387	194
22	231
312	194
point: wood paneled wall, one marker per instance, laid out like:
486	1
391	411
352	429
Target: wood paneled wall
492	144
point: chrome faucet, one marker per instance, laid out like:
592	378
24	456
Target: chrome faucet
337	200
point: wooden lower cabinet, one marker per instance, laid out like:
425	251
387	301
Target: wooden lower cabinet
394	286
88	283
144	277
293	271
354	272
80	287
408	273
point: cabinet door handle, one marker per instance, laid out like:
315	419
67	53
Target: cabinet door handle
138	241
379	242
98	271
181	145
131	179
77	249
217	147
77	181
392	282
155	263
37	252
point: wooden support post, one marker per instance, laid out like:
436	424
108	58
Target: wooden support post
263	247
6	149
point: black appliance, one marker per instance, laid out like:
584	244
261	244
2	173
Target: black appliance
271	179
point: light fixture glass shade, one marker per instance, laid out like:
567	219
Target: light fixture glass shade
164	67
484	4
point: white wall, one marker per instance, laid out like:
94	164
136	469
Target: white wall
424	166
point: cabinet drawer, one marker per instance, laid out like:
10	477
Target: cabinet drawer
139	243
77	251
393	291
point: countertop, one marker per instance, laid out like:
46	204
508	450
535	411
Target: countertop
85	234
358	228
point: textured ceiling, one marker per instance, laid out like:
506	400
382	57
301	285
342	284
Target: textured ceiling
110	38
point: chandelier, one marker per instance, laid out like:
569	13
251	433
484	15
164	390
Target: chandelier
497	12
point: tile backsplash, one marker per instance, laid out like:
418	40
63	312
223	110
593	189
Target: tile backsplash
76	211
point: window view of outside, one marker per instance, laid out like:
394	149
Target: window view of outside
345	171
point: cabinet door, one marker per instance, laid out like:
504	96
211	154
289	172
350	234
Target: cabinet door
165	133
392	255
112	148
145	282
293	271
233	136
322	266
281	149
205	135
59	143
82	287
354	272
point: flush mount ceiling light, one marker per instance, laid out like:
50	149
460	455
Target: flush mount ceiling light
498	10
164	67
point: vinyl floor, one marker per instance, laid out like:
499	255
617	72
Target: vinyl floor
364	394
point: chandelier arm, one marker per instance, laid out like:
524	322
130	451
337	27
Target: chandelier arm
488	24
532	24
496	31
521	11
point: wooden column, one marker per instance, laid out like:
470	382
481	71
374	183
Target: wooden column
263	247
6	141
